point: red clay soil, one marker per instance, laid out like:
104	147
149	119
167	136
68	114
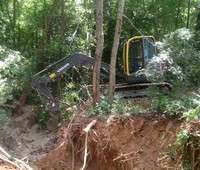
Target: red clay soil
135	143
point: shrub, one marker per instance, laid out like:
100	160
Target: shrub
183	57
42	116
3	117
175	104
12	73
102	108
178	58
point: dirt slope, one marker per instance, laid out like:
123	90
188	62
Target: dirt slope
134	143
116	143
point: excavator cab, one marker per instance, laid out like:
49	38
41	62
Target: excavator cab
137	53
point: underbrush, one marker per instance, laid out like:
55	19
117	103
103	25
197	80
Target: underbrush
186	148
175	104
183	105
103	108
3	117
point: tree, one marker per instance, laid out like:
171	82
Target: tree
98	52
114	50
188	15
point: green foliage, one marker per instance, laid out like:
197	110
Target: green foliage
66	115
193	107
192	114
159	101
3	117
175	103
103	109
42	116
181	58
77	85
186	143
70	94
12	73
178	59
121	107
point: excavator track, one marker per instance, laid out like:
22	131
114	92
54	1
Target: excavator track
139	90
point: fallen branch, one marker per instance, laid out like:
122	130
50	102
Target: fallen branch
15	159
7	106
70	140
126	155
10	162
86	130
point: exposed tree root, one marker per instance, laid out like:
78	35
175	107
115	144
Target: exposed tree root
13	161
86	130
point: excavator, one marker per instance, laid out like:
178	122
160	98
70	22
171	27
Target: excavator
138	51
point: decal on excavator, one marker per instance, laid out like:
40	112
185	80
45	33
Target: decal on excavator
52	75
62	68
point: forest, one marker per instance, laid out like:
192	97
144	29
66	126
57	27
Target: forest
34	34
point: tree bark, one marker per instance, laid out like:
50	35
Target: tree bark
197	27
188	15
114	50
62	21
98	52
178	13
14	23
42	42
44	38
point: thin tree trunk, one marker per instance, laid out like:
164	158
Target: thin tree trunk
43	39
62	20
14	23
197	27
22	99
178	13
98	52
188	16
114	50
42	42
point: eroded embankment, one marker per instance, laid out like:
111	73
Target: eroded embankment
137	142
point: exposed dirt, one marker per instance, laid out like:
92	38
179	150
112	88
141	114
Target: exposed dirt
137	142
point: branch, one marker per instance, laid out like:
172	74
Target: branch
15	159
87	129
7	106
89	126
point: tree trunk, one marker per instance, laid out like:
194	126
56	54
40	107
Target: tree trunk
18	105
197	32
98	52
14	23
114	50
43	39
62	21
42	42
188	15
197	27
178	13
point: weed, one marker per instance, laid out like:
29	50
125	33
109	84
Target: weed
102	108
3	118
187	143
66	115
42	116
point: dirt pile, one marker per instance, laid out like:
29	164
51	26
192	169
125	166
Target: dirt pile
136	142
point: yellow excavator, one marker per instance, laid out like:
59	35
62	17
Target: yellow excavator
137	54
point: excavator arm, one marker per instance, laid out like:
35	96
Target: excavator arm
58	68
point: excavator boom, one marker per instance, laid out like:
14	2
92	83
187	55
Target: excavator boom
40	83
